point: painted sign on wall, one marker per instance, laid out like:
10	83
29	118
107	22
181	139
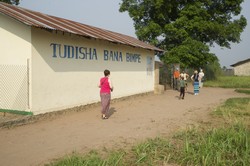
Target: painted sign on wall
87	53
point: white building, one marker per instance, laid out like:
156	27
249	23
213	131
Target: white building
242	68
49	63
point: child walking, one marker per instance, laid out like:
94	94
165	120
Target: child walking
182	88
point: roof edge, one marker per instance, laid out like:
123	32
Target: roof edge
240	62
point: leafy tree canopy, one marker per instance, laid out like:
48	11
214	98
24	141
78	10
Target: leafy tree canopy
14	2
187	29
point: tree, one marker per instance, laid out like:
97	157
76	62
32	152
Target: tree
187	29
212	70
14	2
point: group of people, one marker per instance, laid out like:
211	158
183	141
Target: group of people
180	81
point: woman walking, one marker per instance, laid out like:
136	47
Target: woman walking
106	88
195	78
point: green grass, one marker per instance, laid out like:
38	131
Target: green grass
224	146
246	91
16	112
93	158
235	109
230	82
152	152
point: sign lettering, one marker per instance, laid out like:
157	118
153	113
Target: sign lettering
87	53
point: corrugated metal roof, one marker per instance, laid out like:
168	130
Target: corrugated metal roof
41	20
240	62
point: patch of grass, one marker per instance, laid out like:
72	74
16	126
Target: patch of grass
246	91
235	108
92	158
223	146
229	82
152	152
16	112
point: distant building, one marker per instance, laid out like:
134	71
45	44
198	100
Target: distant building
228	72
49	63
242	68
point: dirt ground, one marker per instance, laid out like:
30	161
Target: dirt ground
131	121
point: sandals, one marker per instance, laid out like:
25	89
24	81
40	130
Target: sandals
104	117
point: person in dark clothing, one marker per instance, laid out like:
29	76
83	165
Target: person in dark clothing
182	88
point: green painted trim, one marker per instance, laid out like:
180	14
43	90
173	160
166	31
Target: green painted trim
16	112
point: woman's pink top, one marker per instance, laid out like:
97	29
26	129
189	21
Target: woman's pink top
104	84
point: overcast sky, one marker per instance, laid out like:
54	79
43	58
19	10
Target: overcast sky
105	14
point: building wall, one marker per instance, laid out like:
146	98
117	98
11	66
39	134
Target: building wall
15	46
64	77
242	70
15	42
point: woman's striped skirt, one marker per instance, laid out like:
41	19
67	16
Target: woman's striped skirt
196	87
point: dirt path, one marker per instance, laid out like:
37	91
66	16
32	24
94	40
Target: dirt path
131	121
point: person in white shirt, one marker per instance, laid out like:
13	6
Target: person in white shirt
201	75
185	76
